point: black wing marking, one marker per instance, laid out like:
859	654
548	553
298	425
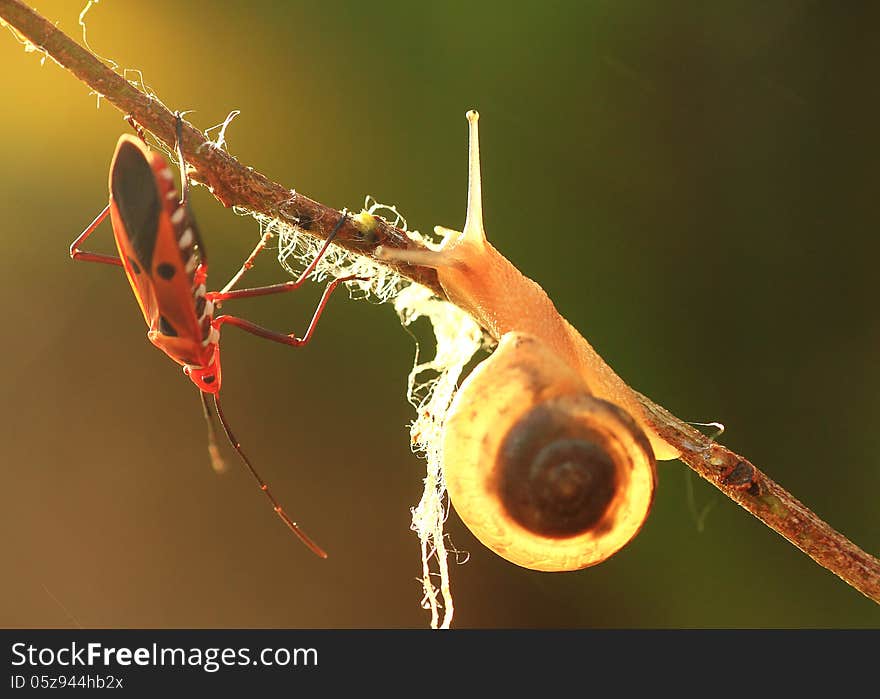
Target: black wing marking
136	195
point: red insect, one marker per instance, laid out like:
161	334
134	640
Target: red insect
166	264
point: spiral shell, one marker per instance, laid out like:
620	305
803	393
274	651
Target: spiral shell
543	473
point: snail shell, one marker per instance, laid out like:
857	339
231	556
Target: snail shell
542	472
548	455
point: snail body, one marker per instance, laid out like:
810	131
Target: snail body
549	457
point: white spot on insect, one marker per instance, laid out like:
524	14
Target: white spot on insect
212	338
167	174
191	264
209	310
199	291
178	215
172	194
186	239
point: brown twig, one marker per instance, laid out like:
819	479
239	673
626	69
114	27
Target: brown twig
231	183
752	490
234	184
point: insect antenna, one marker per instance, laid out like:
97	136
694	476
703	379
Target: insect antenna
317	550
217	462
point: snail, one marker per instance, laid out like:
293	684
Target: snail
548	455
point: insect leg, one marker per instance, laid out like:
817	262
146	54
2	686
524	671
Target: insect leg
77	254
290	339
184	180
248	263
184	187
225	294
139	130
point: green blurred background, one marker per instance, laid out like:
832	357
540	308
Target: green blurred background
695	187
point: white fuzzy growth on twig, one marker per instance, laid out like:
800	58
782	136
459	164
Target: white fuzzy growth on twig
431	384
430	389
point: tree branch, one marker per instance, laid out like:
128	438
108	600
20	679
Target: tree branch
234	184
752	490
231	183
